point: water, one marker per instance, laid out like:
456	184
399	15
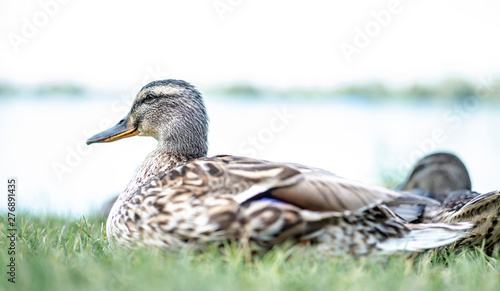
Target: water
43	143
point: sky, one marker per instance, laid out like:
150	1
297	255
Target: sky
123	44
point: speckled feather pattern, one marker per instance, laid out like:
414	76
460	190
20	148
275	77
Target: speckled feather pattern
179	198
196	204
483	210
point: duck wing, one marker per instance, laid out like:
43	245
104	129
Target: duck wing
308	188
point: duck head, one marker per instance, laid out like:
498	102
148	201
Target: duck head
171	111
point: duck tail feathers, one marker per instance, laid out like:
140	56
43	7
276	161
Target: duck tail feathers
426	236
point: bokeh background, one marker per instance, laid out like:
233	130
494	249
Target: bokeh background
360	88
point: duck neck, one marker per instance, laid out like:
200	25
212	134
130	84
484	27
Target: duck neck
160	160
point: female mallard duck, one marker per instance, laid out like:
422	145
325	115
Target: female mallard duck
179	197
444	177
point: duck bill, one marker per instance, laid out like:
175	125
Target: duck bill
123	129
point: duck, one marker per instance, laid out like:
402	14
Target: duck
180	198
444	177
435	176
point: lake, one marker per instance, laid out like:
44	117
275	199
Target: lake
43	142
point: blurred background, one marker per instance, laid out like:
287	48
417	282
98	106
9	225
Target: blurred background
360	88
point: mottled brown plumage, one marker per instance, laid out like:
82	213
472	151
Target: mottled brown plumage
181	198
444	177
483	210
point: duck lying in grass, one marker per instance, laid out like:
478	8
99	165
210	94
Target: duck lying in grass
444	177
179	197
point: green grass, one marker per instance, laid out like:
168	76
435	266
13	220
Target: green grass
55	253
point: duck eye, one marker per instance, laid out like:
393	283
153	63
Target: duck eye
149	98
